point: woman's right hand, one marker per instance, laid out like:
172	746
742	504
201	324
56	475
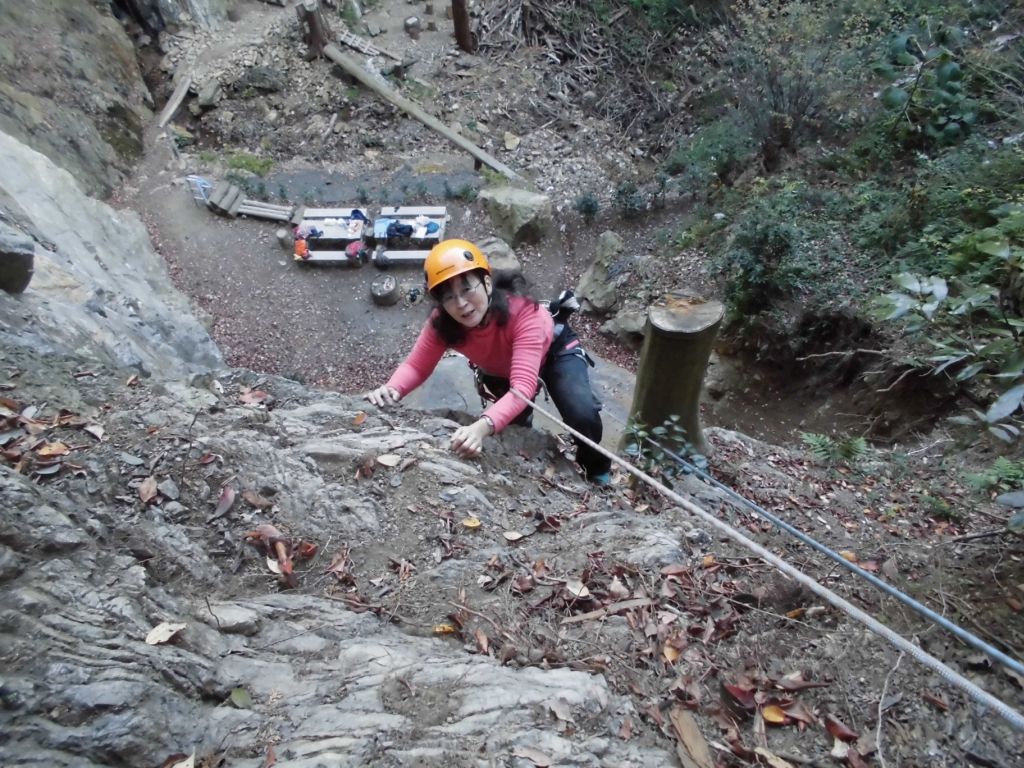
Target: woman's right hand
382	396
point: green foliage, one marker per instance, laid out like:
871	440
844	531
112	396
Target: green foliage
587	205
1005	474
973	340
243	161
649	448
362	194
929	96
282	193
763	263
467	192
630	200
716	155
828	450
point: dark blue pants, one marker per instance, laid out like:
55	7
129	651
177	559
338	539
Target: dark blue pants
566	374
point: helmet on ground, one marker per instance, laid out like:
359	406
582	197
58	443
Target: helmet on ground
450	258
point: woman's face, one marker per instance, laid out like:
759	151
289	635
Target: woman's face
466	298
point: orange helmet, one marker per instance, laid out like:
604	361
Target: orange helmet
450	258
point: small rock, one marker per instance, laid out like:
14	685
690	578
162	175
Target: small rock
235	619
169	489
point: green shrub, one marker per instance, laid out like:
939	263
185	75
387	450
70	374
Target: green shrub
587	205
243	161
717	154
630	200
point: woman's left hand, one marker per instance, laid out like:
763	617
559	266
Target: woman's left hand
468	442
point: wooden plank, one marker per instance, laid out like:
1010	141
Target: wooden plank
263	213
352	67
392	211
267	206
326	256
236	204
219	190
333	213
175	101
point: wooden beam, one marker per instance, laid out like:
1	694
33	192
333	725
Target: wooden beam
175	101
352	67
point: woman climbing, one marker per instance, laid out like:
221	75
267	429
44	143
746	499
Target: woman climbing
511	341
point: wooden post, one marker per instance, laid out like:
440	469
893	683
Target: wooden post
316	30
463	35
677	344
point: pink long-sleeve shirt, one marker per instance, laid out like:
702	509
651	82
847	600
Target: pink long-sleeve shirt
514	351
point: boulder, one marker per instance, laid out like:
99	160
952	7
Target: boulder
518	215
499	254
17	255
596	288
627	326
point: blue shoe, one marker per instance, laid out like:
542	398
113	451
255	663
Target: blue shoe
601	478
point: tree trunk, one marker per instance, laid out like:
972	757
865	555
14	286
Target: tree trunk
316	30
463	35
677	344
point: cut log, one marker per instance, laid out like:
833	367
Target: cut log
677	344
352	67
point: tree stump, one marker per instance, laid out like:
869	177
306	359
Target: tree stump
678	337
316	30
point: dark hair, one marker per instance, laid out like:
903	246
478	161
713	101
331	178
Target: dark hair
504	283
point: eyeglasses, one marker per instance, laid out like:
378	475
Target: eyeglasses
455	297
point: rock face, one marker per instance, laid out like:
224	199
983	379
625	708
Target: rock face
89	568
518	215
98	285
72	89
596	288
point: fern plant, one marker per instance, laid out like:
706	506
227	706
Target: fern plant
828	450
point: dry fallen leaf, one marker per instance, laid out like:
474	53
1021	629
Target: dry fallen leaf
774	714
163	632
359	418
848	555
254	397
227	498
482	642
389	459
53	449
271	759
772	759
253	499
187	762
444	629
838	730
95	430
577	588
692	748
471	522
273	565
709	560
671	653
147	489
512	535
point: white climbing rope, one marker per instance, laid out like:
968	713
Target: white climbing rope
951	676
